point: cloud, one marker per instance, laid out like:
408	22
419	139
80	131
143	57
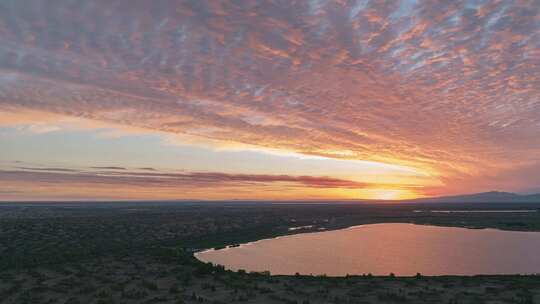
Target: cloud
147	169
47	169
166	179
40	128
452	88
98	182
109	168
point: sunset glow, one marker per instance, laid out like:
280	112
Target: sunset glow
289	101
388	194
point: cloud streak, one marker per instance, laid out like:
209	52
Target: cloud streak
164	179
61	183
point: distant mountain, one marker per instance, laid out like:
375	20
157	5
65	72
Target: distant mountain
485	197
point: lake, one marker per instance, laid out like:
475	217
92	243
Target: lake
381	249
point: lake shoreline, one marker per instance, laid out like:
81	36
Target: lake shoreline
312	230
205	255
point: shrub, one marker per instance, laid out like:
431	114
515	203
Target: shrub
174	289
134	294
149	285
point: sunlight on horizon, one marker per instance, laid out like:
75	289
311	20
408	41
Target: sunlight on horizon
388	194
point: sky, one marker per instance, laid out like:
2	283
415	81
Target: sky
268	100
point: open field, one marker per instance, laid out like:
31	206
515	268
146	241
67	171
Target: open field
142	253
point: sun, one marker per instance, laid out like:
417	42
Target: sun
387	194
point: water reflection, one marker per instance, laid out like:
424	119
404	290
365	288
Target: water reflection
403	249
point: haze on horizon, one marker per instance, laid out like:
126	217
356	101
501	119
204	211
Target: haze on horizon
312	99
